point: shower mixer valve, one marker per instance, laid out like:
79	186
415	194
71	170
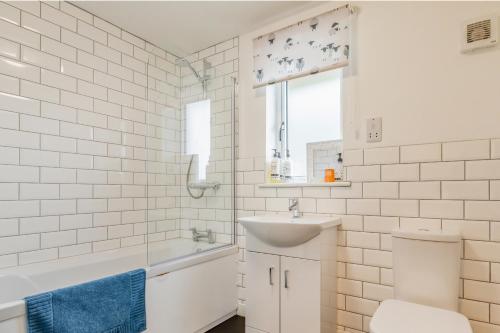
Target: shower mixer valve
209	235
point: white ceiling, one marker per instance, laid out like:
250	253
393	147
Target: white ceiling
184	27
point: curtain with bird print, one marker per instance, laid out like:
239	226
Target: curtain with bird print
310	46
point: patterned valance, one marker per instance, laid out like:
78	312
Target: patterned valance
310	46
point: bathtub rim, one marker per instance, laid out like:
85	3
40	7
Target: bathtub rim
14	309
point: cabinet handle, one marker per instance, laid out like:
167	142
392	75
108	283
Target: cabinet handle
271	276
286	279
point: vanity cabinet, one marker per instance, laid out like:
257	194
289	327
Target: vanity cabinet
291	274
283	294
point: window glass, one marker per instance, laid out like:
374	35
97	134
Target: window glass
312	115
198	134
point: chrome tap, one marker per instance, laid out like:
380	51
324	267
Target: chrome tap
209	235
294	208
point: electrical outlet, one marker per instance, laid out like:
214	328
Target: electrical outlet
374	130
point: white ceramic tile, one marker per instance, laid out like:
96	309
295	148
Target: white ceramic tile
482	210
385	155
92	90
451	209
76	101
482	169
93	33
421	153
107	81
39	158
9	120
19	243
103	25
363	173
18	69
407	208
9	155
57	17
9	13
75	221
40	26
466	190
400	172
495	147
36	225
420	190
31	257
57	175
20	35
92	61
8	191
39	91
363	206
56	143
442	171
466	150
331	206
9	209
92	177
57	80
58	49
120	45
76	12
9	48
382	190
76	71
15	173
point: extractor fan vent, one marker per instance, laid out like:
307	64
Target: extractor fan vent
478	33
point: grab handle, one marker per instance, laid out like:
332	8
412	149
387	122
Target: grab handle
286	279
271	276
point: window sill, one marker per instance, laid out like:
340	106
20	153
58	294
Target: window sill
287	185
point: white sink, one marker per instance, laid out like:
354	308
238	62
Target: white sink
286	231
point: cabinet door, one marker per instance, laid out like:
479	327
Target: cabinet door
300	295
263	287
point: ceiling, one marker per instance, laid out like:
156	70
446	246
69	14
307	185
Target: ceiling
184	27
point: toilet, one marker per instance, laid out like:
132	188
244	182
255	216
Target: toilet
426	268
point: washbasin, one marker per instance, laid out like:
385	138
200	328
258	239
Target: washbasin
285	230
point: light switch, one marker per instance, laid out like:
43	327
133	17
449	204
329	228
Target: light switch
374	130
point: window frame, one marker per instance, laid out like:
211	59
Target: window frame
278	134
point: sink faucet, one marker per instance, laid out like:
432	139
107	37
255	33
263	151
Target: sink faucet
209	235
294	208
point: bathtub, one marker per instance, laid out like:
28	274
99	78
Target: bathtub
191	293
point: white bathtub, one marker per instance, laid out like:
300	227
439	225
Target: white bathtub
185	295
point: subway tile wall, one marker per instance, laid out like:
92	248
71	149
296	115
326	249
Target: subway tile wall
452	186
89	116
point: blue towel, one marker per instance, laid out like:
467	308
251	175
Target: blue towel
114	304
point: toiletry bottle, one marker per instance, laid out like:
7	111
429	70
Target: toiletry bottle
275	167
339	173
286	168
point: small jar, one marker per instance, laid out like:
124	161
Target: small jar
329	175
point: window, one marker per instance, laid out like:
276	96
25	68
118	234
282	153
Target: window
304	111
198	134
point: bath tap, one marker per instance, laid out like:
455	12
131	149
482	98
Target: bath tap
294	208
209	235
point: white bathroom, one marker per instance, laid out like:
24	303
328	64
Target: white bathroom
249	166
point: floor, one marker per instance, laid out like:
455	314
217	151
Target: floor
234	324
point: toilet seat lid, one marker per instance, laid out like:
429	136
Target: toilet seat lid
395	316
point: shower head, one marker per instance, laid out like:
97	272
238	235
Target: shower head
183	62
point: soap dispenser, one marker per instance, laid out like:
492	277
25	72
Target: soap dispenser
339	173
286	168
275	167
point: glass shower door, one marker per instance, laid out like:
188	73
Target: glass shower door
190	163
